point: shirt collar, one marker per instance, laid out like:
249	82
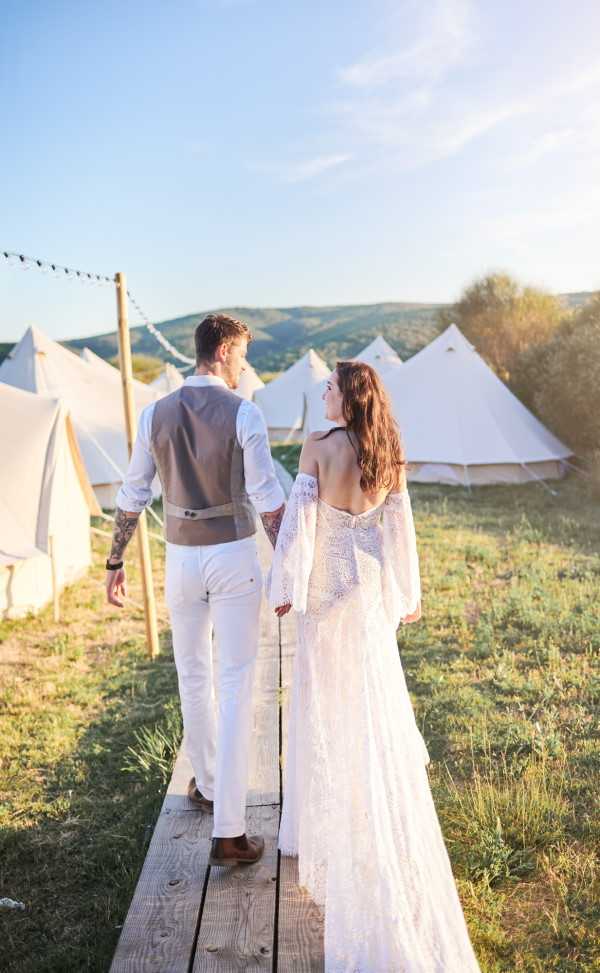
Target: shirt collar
205	380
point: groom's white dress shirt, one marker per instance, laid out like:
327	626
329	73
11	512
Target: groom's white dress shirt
262	485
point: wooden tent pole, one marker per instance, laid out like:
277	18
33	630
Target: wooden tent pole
131	427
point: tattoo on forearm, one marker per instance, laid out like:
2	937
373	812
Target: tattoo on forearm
272	523
125	524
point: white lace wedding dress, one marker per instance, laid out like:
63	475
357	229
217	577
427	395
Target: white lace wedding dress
357	807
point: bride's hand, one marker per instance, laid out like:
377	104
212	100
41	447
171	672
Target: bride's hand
282	610
414	617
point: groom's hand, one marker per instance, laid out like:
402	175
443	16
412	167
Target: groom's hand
282	610
115	587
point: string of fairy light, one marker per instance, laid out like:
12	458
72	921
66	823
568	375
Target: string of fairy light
54	269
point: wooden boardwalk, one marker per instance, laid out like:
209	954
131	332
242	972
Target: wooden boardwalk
186	917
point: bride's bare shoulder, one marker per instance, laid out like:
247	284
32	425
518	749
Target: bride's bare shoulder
315	445
328	439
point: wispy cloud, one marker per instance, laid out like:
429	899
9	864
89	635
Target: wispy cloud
415	104
543	145
436	136
398	99
425	99
568	212
445	37
581	142
304	169
585	77
309	168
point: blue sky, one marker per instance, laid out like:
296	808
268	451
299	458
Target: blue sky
225	152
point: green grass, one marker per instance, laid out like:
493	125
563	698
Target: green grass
504	677
89	729
503	671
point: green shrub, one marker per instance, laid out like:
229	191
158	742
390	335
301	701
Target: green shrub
560	379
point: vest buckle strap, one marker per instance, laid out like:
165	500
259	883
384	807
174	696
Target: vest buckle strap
204	513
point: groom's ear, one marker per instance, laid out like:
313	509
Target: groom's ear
222	350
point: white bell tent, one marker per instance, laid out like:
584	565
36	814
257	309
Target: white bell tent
250	382
379	354
144	392
284	401
169	380
92	396
461	425
285	479
45	502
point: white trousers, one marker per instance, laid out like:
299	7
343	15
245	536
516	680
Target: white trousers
216	585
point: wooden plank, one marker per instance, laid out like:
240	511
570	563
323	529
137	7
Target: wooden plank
263	777
158	934
236	931
236	928
237	925
301	924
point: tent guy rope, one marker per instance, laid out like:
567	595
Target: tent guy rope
69	273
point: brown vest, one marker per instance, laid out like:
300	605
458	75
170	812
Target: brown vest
201	466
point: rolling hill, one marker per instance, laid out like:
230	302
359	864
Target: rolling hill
282	335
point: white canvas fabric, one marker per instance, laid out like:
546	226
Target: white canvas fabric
44	495
168	381
250	382
285	479
379	354
460	424
284	401
93	397
113	374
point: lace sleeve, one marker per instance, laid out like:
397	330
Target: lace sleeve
287	580
401	579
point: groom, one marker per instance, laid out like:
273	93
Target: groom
211	451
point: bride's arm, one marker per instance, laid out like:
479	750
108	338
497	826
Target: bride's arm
308	462
401	576
287	580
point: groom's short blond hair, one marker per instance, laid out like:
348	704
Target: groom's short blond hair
213	331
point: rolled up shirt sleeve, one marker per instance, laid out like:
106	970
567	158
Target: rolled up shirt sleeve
135	492
262	485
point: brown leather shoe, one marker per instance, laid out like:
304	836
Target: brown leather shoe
236	851
197	798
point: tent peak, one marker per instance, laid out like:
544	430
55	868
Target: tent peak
378	352
453	338
37	338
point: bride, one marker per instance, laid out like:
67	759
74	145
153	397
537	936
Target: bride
357	807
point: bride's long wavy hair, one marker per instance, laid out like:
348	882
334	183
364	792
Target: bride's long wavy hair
367	412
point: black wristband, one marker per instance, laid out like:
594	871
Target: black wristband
113	567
